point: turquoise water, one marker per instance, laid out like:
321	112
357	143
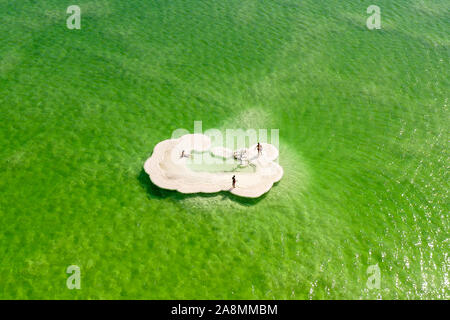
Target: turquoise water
363	119
206	162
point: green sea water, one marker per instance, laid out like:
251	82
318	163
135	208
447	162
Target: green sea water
363	134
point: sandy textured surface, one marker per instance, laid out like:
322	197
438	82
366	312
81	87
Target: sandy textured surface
168	170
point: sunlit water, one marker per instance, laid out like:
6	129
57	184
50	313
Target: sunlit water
363	119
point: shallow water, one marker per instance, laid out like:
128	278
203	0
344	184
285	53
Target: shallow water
363	119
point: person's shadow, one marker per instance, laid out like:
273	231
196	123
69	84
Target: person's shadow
155	192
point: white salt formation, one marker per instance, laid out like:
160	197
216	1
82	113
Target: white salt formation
169	167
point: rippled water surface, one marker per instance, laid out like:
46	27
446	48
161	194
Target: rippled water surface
363	119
